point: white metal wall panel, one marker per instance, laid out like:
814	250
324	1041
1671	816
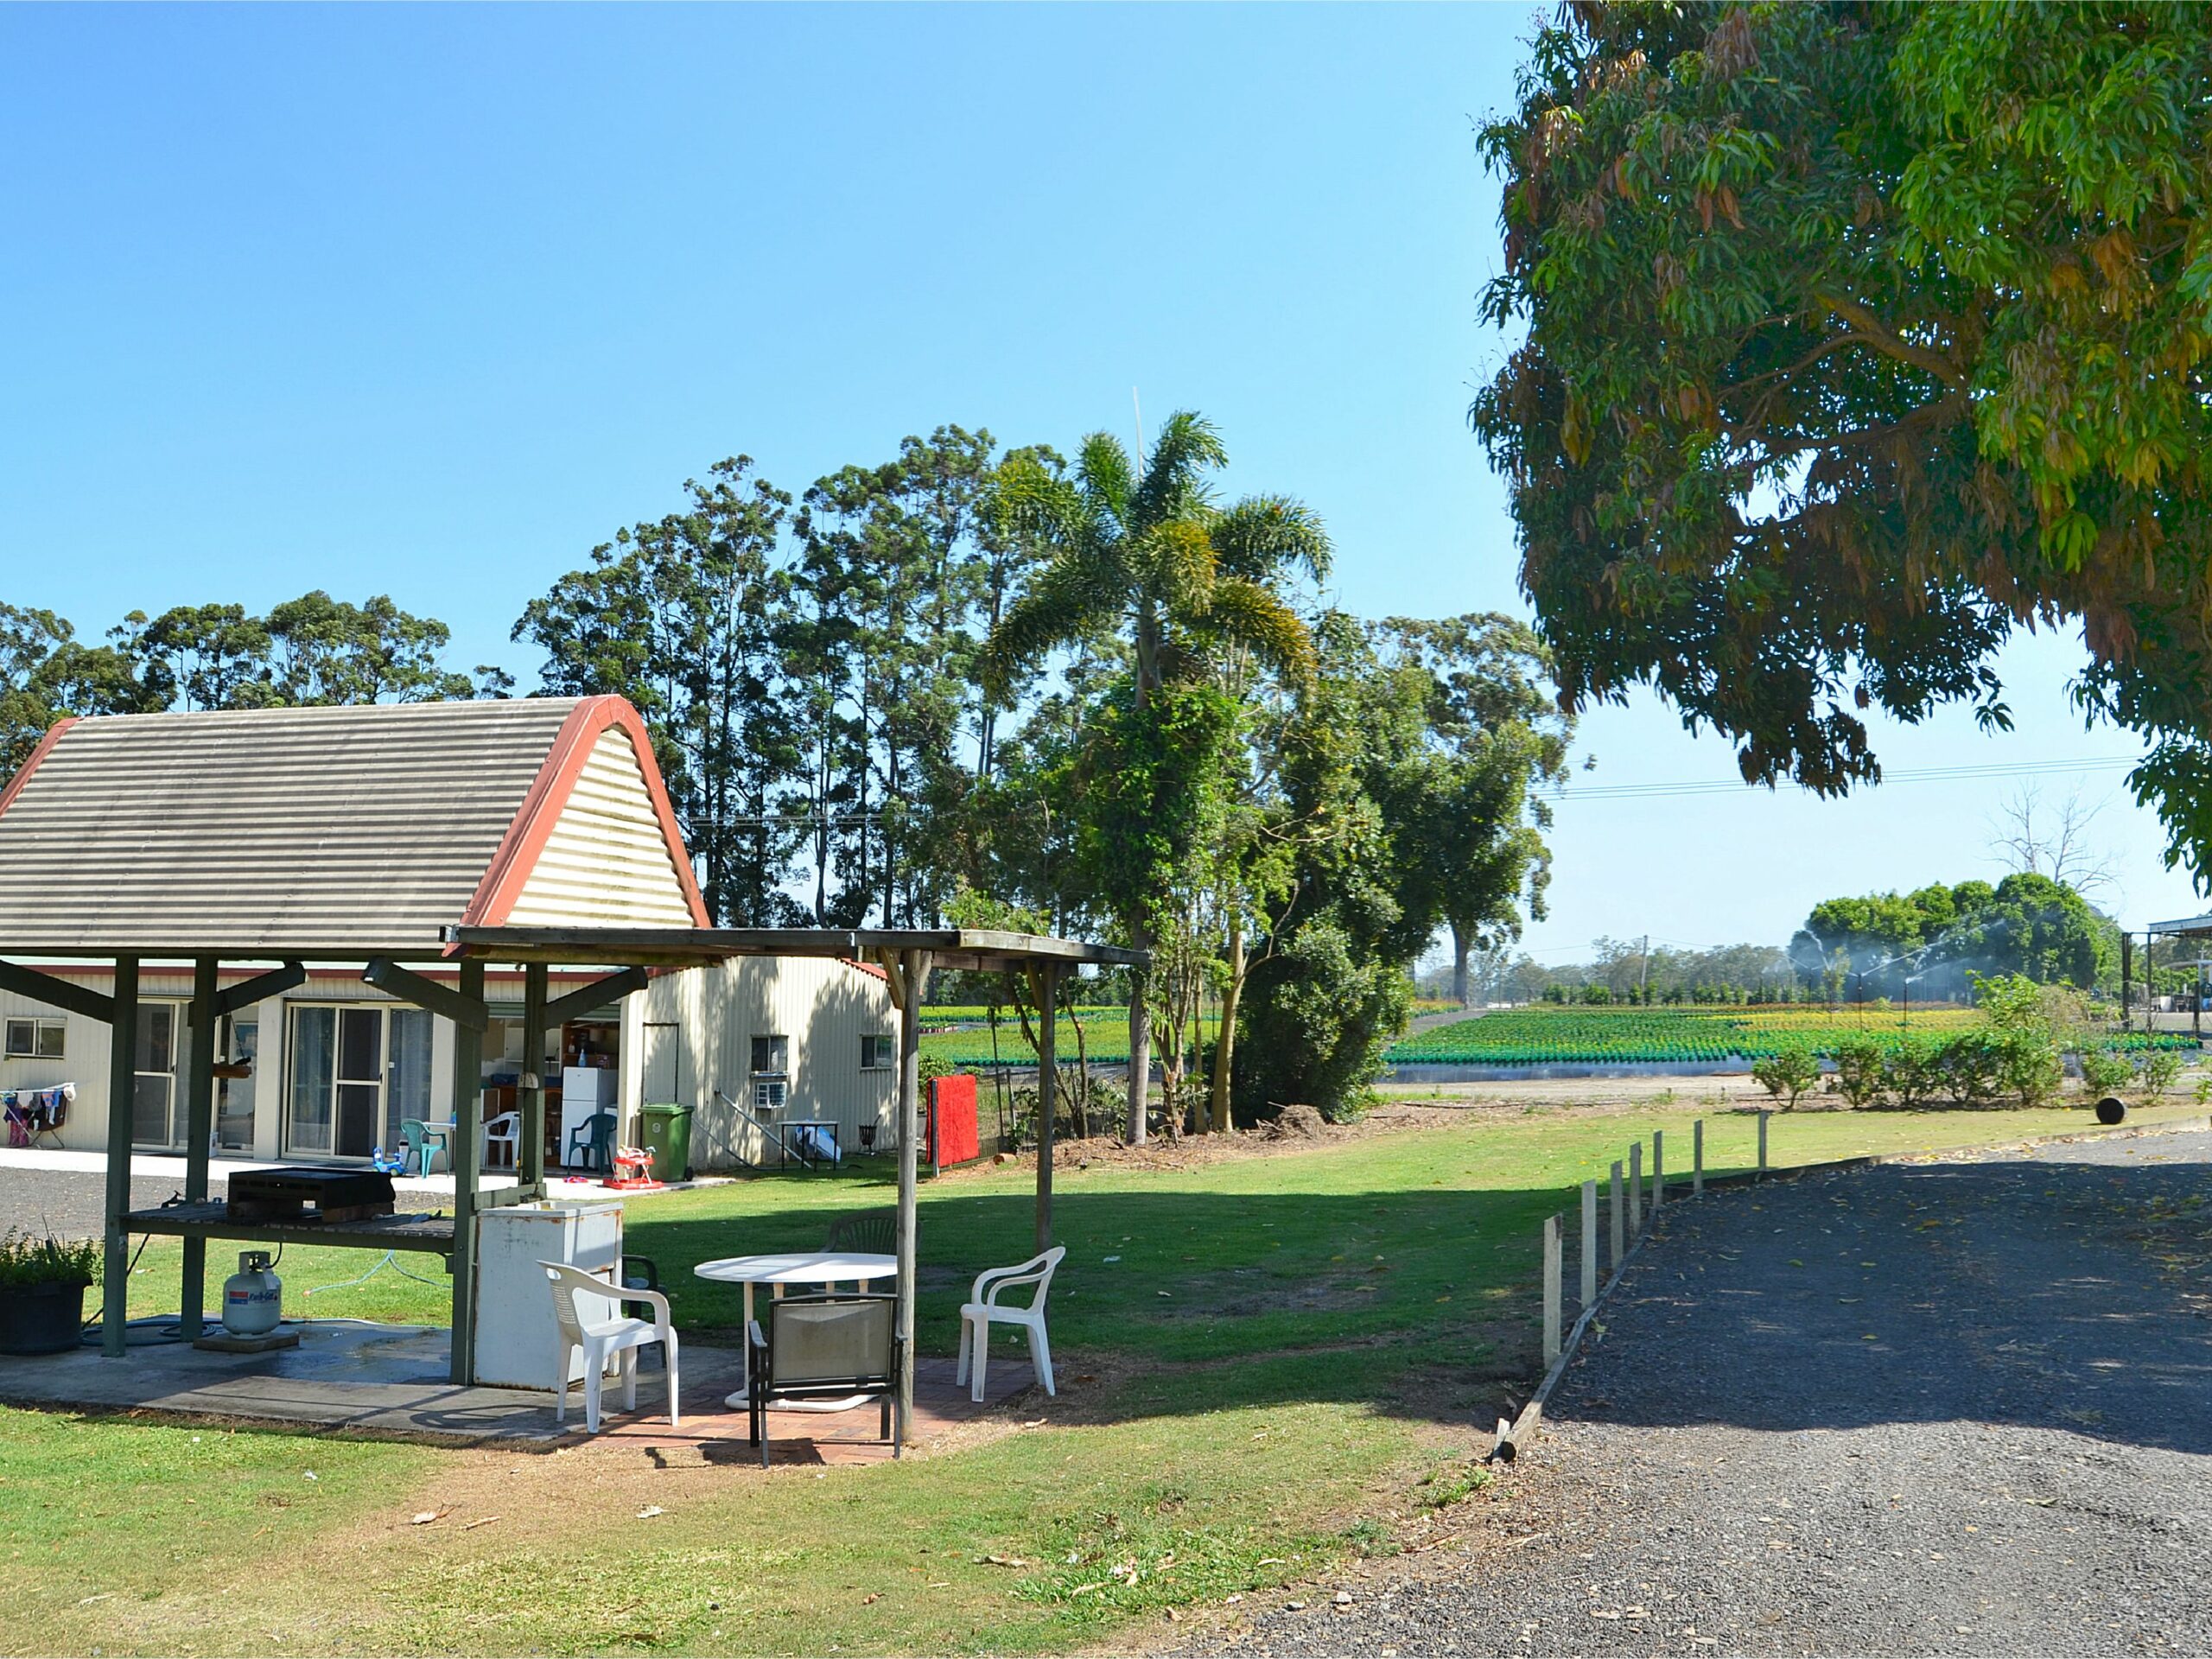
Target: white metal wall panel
248	831
607	862
823	1007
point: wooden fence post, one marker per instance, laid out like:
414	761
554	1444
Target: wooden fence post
1620	1248
1697	1159
1635	1188
1658	1168
1762	1168
1589	1259
1551	1289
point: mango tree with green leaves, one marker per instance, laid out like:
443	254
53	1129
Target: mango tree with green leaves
1853	338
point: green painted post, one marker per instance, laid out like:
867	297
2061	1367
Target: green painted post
1048	1077
122	1091
199	1128
467	1097
530	1163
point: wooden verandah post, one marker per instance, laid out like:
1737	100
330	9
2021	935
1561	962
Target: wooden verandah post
467	1096
1048	1075
122	1101
907	973
199	1130
530	1166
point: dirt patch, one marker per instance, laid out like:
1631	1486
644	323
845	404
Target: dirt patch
1197	1151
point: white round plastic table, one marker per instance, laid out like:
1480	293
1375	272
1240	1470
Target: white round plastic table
795	1268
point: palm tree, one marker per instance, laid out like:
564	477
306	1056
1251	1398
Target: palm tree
1141	550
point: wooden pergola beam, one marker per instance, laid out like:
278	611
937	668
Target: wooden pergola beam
464	1008
259	988
567	1006
56	992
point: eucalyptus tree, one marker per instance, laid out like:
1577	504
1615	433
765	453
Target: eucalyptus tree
901	566
681	615
47	673
1140	550
327	651
1471	849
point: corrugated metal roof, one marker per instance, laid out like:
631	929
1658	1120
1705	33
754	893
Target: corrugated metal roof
267	832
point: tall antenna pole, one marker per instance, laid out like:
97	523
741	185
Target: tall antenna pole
1138	407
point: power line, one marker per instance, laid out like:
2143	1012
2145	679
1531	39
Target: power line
1920	775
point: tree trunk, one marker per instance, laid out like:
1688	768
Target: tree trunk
1224	1042
1459	966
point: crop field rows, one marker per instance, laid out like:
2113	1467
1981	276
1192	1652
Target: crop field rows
1555	1036
1541	1036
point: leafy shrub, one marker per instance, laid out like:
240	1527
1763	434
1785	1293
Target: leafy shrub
33	1264
1858	1070
2158	1068
2030	1067
1969	1067
1789	1069
2105	1072
1912	1070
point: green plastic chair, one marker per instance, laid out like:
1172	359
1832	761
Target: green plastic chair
597	1134
422	1145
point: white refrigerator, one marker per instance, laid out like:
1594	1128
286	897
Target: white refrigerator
518	1338
585	1090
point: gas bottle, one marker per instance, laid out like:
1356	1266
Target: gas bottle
253	1297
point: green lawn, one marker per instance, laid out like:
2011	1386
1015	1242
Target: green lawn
1284	1346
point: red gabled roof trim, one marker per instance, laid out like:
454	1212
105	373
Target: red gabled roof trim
869	968
511	866
45	746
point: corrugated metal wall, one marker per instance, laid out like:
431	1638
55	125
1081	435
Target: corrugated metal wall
606	864
710	1015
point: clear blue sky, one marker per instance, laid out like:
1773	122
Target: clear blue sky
429	301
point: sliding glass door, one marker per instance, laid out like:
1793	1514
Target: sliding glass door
354	1072
156	1112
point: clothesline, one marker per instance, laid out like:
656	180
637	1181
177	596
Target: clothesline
33	1112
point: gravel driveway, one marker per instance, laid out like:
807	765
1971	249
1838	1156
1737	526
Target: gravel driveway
1950	1407
72	1204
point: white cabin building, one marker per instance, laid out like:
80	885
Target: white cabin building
368	831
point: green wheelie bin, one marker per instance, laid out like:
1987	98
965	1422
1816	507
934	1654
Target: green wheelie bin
668	1132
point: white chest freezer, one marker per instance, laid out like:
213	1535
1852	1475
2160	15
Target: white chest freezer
518	1338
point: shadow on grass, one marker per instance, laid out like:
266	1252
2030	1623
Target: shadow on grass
1419	1304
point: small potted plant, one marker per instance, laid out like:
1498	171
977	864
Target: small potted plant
42	1285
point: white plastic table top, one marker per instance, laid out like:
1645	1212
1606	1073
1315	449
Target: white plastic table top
797	1268
800	1268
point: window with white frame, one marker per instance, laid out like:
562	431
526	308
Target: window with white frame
36	1039
878	1053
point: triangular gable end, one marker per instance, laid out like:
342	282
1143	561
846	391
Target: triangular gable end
595	843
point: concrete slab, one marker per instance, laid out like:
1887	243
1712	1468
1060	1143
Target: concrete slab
352	1377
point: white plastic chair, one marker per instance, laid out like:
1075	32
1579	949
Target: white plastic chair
984	1310
505	1130
589	1311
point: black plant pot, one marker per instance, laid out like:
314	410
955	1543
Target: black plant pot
40	1319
